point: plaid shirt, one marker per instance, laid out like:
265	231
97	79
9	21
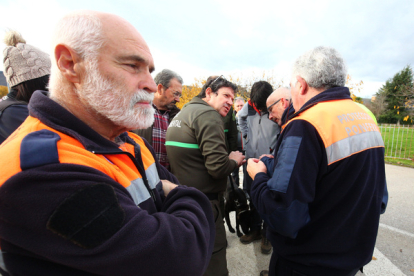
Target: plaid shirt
159	129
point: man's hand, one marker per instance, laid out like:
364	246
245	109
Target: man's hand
238	157
167	186
265	155
255	166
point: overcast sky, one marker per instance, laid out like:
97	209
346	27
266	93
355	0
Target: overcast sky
201	38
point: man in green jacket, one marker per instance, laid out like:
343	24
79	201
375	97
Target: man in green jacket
198	155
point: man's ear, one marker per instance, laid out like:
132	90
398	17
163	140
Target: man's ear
160	89
208	92
303	85
285	102
68	63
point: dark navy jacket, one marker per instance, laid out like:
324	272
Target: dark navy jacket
323	219
43	205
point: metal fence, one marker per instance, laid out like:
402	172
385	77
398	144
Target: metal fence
398	141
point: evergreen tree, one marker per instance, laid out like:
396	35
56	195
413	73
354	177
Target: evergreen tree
398	91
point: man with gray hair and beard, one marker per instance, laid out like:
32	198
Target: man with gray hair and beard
323	201
80	195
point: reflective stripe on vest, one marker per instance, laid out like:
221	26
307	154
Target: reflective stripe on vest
137	188
345	128
181	145
119	167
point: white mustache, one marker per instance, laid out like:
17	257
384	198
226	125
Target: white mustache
142	96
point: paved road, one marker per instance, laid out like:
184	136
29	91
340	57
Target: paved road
394	251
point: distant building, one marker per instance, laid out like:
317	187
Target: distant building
373	98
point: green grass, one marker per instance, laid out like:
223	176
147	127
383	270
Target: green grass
399	162
399	144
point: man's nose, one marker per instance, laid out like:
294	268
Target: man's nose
148	83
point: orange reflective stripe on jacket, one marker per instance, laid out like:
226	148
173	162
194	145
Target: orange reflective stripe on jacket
119	167
345	128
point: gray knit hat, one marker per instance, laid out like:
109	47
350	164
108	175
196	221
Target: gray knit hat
23	62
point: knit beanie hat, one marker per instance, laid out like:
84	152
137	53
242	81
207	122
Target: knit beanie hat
23	62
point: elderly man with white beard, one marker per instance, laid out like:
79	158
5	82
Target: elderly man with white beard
80	195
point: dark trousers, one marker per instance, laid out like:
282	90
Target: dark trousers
280	267
218	261
255	217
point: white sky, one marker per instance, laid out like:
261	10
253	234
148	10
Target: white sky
201	38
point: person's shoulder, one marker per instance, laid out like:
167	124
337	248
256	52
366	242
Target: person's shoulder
199	108
298	127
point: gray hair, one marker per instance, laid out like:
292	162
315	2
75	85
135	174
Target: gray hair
322	67
238	99
81	31
165	76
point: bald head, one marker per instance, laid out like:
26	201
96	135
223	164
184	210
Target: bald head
281	92
277	102
117	31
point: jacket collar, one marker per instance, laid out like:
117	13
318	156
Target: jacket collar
254	107
289	111
197	100
55	116
335	93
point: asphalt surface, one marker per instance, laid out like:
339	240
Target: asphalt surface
394	251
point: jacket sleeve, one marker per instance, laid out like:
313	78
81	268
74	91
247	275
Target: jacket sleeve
384	199
178	240
269	162
242	117
209	132
293	180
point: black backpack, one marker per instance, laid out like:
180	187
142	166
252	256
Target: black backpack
6	102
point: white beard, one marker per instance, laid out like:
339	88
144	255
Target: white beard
110	98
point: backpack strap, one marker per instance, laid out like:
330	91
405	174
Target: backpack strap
6	101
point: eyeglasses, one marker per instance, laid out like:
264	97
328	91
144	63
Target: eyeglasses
177	94
269	109
215	80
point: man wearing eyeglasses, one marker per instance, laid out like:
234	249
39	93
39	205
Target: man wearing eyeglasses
197	150
169	89
279	108
279	105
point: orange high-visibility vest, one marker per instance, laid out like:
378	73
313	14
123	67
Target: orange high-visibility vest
345	128
117	166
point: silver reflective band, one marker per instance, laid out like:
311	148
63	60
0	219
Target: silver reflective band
137	188
353	144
